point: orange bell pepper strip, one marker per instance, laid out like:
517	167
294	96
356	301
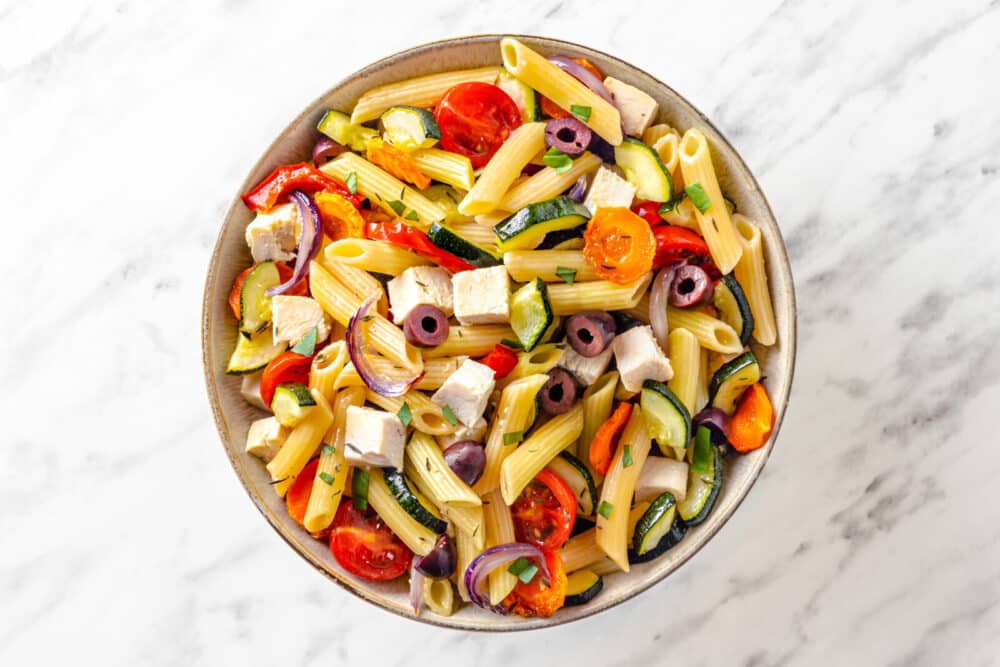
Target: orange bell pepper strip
397	163
297	498
619	244
339	217
753	420
602	447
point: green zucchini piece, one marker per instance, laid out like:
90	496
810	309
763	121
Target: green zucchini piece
733	306
526	228
564	239
572	471
658	529
253	352
447	198
731	380
582	586
409	128
668	420
413	502
703	487
530	313
255	304
644	169
524	96
291	403
337	126
451	242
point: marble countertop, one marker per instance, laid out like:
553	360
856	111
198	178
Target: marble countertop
873	536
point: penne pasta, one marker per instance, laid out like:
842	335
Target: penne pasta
537	362
547	183
436	371
683	215
426	466
598	399
331	473
466	550
685	357
419	538
445	166
581	551
537	450
499	530
358	281
471	341
373	256
711	332
300	446
596	295
426	415
422	91
503	169
438	595
326	368
752	276
514	414
525	265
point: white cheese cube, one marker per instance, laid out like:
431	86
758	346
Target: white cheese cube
294	316
265	438
638	109
586	369
608	189
482	296
640	358
475	432
661	474
250	389
274	235
417	285
467	390
373	438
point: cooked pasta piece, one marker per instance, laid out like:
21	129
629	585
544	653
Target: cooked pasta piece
358	281
491	219
427	416
667	148
473	232
301	444
684	215
472	341
604	566
438	595
549	265
711	332
581	551
598	399
326	367
499	530
537	362
514	414
752	276
466	550
426	466
618	488
596	295
503	168
534	70
445	166
701	396
547	183
419	538
436	371
537	450
656	132
421	91
373	256
331	474
685	357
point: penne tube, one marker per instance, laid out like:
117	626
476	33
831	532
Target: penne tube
597	295
581	551
471	341
326	368
426	415
685	358
514	415
372	256
300	446
499	530
503	169
425	464
547	183
537	450
419	538
436	371
525	265
331	473
598	399
752	276
421	91
712	333
445	166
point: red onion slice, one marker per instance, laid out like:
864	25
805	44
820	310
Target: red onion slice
416	586
361	356
658	299
308	241
579	189
494	557
326	149
716	421
584	76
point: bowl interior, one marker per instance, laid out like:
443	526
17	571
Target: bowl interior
233	416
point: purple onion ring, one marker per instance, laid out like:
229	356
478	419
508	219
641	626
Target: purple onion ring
357	349
326	149
416	586
494	557
308	241
584	76
579	189
716	421
658	298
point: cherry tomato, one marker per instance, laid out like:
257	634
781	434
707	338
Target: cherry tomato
300	288
297	496
501	359
475	119
677	244
545	511
550	108
538	598
237	289
619	244
365	546
286	367
648	211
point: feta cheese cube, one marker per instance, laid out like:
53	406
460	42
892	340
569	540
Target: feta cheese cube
638	109
467	390
608	189
250	389
482	296
640	358
585	369
265	438
373	438
294	316
661	474
475	432
417	285
274	235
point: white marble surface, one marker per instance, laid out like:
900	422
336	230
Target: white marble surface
874	535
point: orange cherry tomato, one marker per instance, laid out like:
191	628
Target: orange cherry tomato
297	497
619	244
605	442
539	598
397	163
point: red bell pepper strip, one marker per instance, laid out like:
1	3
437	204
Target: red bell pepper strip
405	236
648	211
501	359
677	244
290	177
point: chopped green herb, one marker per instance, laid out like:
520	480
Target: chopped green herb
698	196
627	457
604	509
367	318
412	215
558	160
397	206
514	344
567	274
449	415
307	345
523	569
326	477
359	489
580	111
352	183
328	450
512	437
405	414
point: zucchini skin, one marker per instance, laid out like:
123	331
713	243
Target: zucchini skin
404	495
713	493
527	227
678	529
585	596
451	242
743	305
664	393
727	372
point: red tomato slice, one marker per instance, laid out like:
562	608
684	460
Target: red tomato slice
648	211
365	546
538	598
545	511
475	119
297	497
286	367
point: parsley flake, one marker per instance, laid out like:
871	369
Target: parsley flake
627	457
558	160
580	111
326	477
449	415
359	489
328	450
405	414
352	183
698	197
397	206
512	437
604	509
567	274
523	569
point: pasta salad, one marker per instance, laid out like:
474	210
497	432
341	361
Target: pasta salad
504	323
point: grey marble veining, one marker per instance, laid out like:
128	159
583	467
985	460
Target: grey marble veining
873	536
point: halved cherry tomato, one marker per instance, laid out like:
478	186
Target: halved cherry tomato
339	217
297	497
537	597
300	288
365	546
545	511
475	119
550	108
619	244
286	367
648	211
677	244
501	359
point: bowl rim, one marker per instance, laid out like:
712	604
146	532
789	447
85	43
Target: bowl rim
789	348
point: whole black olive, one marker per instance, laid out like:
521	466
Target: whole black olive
590	333
558	394
467	459
691	286
441	560
426	326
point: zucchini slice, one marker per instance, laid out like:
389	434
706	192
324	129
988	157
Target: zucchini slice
564	239
530	313
657	530
413	502
704	481
253	352
734	309
451	242
582	586
255	304
524	96
526	228
668	420
447	198
575	474
731	380
337	126
291	403
644	169
409	128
